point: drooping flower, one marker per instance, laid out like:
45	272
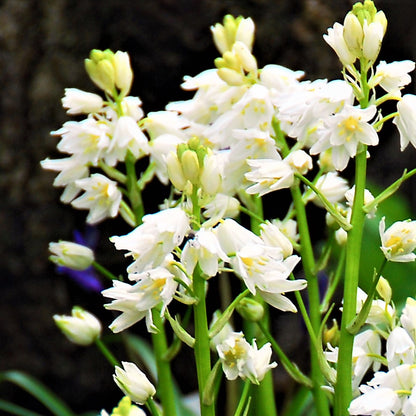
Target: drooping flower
136	301
72	255
81	102
406	120
101	197
81	328
399	241
133	382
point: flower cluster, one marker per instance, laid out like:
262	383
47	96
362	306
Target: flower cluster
246	132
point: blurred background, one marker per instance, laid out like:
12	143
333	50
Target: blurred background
43	44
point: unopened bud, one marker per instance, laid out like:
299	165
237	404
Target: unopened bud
384	289
82	328
250	309
175	172
353	33
231	77
123	72
72	255
331	335
190	166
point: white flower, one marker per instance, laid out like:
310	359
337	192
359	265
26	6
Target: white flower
393	76
133	382
399	241
204	249
72	255
406	120
300	161
400	348
127	137
408	317
377	402
70	169
343	132
81	102
240	359
153	287
272	236
102	197
269	175
368	197
123	74
335	39
264	270
222	206
87	139
332	186
380	312
81	328
373	37
159	234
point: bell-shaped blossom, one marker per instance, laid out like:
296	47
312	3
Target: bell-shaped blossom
70	169
335	39
264	270
387	393
406	120
81	328
408	317
81	102
136	301
150	242
101	197
399	241
127	136
133	382
400	348
240	359
368	198
344	131
332	186
393	76
222	206
272	236
269	175
87	139
204	249
72	255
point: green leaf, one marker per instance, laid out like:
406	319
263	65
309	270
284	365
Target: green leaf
37	390
14	409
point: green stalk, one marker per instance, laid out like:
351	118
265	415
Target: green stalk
343	389
165	386
202	348
134	193
103	271
308	262
107	353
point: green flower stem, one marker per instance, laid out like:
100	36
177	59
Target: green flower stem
308	262
202	348
243	398
165	386
103	271
291	368
343	392
134	193
151	405
107	353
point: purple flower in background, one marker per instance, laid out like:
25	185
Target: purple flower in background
88	278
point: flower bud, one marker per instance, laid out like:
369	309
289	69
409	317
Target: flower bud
133	382
245	32
71	255
373	36
100	69
123	72
82	328
231	77
175	173
220	40
245	57
190	166
81	102
384	289
353	33
250	309
331	335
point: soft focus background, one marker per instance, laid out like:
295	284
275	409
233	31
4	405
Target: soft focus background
42	47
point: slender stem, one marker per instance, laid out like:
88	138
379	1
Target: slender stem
343	389
202	348
308	262
133	190
103	271
107	353
151	405
243	398
165	386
